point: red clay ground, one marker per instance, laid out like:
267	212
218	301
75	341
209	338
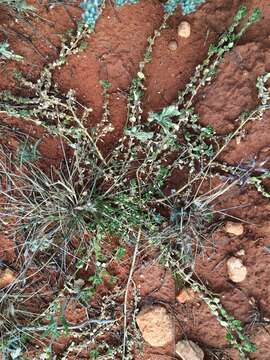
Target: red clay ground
113	54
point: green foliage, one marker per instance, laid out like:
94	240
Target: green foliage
18	5
12	348
7	54
122	192
52	328
28	152
56	204
120	253
235	331
112	198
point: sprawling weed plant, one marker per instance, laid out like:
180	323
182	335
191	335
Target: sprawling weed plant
62	203
122	193
235	332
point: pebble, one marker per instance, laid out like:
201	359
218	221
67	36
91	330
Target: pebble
240	252
173	45
188	350
184	29
156	326
236	270
238	140
234	228
185	295
79	283
6	278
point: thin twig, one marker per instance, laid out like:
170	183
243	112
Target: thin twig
126	293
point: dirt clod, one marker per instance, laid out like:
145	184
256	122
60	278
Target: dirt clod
156	326
188	350
236	270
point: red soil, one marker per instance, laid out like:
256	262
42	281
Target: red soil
113	54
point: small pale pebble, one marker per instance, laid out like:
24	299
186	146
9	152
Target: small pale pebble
236	270
185	295
234	228
7	277
241	252
79	283
184	29
173	45
238	140
267	148
188	350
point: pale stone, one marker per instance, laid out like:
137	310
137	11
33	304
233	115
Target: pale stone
185	295
156	326
238	140
188	350
234	228
7	277
173	45
236	270
184	29
240	252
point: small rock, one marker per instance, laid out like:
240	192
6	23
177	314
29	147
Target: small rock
234	228
79	283
238	140
188	350
236	270
184	29
6	278
267	148
240	252
156	326
173	45
185	295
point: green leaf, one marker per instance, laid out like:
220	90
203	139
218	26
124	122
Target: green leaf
140	135
163	117
249	347
237	323
170	111
242	12
64	323
120	253
105	84
207	131
7	53
229	337
256	15
96	279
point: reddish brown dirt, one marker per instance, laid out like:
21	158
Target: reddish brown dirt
113	54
